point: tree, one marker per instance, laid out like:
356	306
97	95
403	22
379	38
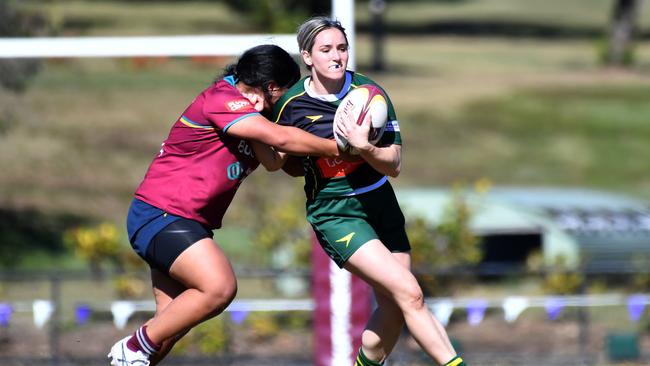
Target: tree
14	73
623	27
280	15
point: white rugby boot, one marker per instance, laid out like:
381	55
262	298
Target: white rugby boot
121	355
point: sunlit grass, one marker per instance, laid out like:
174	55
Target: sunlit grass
589	136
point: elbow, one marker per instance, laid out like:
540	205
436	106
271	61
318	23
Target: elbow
394	173
272	167
280	141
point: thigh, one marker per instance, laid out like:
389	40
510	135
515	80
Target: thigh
380	268
172	240
384	301
165	288
203	266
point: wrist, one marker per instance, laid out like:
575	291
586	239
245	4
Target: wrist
365	148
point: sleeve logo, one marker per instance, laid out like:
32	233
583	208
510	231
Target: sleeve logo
235	105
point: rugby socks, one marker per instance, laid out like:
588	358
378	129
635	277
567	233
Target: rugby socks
362	360
456	361
139	341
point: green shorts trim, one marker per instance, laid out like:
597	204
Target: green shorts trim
343	224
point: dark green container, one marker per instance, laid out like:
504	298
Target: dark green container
622	346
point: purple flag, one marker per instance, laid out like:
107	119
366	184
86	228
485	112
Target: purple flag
82	314
636	306
238	316
553	307
476	311
5	314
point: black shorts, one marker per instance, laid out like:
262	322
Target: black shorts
171	241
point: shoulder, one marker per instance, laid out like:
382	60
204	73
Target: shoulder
222	95
282	105
223	89
360	79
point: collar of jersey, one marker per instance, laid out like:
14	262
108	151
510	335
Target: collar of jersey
330	97
231	79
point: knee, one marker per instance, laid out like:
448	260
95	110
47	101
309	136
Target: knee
218	296
412	297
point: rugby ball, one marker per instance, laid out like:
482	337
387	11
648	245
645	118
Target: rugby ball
363	101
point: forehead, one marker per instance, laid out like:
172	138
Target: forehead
329	37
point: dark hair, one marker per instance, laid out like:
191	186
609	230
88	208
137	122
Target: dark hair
261	65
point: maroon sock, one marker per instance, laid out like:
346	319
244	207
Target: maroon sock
140	341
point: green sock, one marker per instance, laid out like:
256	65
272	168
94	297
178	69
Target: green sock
456	361
362	360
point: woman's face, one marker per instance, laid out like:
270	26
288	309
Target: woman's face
329	56
272	96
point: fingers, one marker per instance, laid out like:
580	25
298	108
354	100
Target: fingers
340	130
256	101
367	121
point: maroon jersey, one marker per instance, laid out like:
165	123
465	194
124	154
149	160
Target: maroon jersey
199	167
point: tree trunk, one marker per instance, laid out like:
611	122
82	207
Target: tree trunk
622	31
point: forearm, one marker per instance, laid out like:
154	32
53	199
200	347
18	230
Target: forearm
296	141
386	160
267	156
291	140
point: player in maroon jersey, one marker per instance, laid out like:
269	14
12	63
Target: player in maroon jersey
215	143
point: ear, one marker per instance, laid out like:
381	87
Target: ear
306	57
273	85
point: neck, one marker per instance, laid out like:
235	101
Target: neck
325	86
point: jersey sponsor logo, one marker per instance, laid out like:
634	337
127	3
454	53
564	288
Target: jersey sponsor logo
235	105
346	239
392	126
234	171
336	167
245	148
314	118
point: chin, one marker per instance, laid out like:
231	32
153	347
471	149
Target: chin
336	74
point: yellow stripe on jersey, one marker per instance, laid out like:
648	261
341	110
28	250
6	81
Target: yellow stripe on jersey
285	104
184	120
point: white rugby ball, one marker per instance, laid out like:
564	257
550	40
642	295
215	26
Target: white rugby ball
360	102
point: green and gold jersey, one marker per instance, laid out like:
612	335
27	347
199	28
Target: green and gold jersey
332	177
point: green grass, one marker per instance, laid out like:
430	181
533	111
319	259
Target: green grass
591	136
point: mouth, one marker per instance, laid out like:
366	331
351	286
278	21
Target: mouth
335	67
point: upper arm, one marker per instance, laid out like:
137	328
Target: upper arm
256	128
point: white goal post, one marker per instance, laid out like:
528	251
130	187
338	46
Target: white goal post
224	45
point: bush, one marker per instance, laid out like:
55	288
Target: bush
447	244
